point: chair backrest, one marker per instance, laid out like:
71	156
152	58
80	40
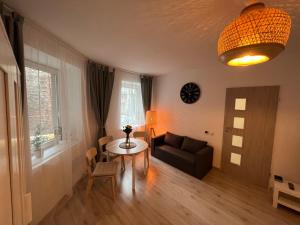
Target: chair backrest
140	134
90	159
103	141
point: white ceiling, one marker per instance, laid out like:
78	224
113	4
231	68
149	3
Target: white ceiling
147	36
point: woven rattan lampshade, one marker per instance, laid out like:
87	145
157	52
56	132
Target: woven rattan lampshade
257	35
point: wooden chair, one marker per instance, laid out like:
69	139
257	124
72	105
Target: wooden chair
100	169
103	154
142	135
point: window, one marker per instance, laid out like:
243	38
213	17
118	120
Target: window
132	111
43	107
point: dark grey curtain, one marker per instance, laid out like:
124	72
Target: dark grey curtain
146	85
100	83
13	23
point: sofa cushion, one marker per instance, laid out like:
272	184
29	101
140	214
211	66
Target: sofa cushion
192	145
181	159
173	140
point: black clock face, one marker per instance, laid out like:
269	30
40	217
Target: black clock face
190	93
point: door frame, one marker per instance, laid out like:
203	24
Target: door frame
6	122
15	128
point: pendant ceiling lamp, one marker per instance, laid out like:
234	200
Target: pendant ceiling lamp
256	36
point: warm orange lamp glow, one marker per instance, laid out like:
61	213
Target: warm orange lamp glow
258	35
151	120
248	60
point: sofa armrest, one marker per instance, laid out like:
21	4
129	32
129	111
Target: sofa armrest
156	141
203	161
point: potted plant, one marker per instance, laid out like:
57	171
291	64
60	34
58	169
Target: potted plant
37	142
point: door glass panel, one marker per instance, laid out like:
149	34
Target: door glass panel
237	141
235	158
240	104
238	122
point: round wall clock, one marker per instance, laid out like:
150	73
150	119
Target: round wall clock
190	93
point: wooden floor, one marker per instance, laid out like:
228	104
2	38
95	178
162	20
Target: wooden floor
169	196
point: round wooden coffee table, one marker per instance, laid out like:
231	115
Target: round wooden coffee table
141	146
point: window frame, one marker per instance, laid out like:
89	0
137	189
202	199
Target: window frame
54	72
137	85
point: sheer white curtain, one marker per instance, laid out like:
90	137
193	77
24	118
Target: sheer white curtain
126	106
43	48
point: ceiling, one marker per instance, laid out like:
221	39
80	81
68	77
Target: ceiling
145	36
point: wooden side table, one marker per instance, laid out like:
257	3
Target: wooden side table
284	196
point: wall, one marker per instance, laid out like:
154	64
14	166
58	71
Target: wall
208	112
51	181
54	176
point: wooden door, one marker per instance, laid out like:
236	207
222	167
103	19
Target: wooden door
5	181
11	129
249	124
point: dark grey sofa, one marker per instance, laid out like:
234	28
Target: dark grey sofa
189	155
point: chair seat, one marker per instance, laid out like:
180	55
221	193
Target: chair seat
105	169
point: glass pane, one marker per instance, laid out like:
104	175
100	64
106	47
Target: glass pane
237	141
42	100
240	104
238	122
131	104
235	159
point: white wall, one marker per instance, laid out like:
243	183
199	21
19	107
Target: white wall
208	112
54	178
51	181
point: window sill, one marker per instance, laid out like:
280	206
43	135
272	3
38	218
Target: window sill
49	153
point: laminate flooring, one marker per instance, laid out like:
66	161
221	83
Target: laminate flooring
168	196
